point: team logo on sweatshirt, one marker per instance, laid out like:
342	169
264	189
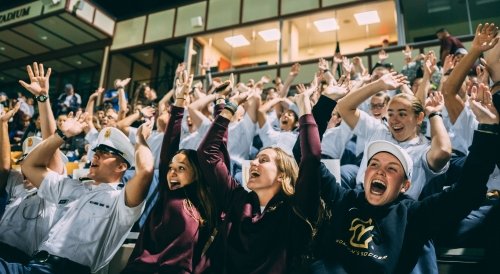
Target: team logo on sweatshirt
361	233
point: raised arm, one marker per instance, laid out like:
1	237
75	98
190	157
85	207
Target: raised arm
348	106
39	87
307	188
429	68
440	152
122	101
137	187
283	91
485	39
92	100
172	136
5	145
125	123
36	165
214	157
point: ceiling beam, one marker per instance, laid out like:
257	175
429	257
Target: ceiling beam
56	54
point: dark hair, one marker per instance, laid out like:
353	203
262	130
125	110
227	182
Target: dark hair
203	193
441	30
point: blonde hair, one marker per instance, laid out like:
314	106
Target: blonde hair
286	165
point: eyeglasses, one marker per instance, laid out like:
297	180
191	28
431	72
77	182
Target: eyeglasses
377	106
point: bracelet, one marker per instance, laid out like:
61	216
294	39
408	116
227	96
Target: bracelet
490	128
231	106
438	113
61	134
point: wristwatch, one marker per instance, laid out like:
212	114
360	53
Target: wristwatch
42	98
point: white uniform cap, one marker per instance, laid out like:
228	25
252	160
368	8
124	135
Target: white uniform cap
30	143
385	146
112	140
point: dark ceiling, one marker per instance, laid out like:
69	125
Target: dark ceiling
120	9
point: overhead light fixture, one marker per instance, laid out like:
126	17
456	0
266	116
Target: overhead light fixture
367	18
325	25
78	62
270	35
2	48
44	37
237	41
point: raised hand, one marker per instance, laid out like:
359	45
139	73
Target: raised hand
6	116
337	58
486	37
336	92
481	105
323	64
183	85
295	69
74	125
346	66
242	97
96	93
407	51
482	73
449	63
39	81
144	131
430	63
122	83
148	112
434	103
393	80
382	55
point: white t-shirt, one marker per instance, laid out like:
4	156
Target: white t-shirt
335	139
240	138
27	218
371	129
274	138
95	225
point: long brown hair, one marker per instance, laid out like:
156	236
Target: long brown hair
207	210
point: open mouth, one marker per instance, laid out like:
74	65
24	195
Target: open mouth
174	185
397	129
93	165
254	174
377	187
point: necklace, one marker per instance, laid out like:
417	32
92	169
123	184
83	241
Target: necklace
192	211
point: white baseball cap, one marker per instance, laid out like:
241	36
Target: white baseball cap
385	146
112	140
30	143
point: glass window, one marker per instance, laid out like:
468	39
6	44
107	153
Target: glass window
259	9
129	33
292	6
229	8
160	25
190	19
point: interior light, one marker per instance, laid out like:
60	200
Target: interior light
237	41
270	35
325	25
367	18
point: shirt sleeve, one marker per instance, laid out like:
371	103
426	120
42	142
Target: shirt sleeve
268	135
366	125
132	135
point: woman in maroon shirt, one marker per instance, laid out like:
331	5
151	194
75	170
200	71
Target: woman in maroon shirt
176	235
269	228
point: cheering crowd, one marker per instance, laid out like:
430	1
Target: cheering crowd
419	152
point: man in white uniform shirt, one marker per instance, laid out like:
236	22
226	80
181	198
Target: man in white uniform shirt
100	214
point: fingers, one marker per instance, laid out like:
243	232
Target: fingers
30	72
41	69
49	71
24	84
35	69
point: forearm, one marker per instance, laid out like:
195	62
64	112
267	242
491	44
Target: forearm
264	108
127	121
137	188
35	165
171	138
122	101
163	102
286	86
90	105
423	88
5	147
457	76
440	151
47	121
